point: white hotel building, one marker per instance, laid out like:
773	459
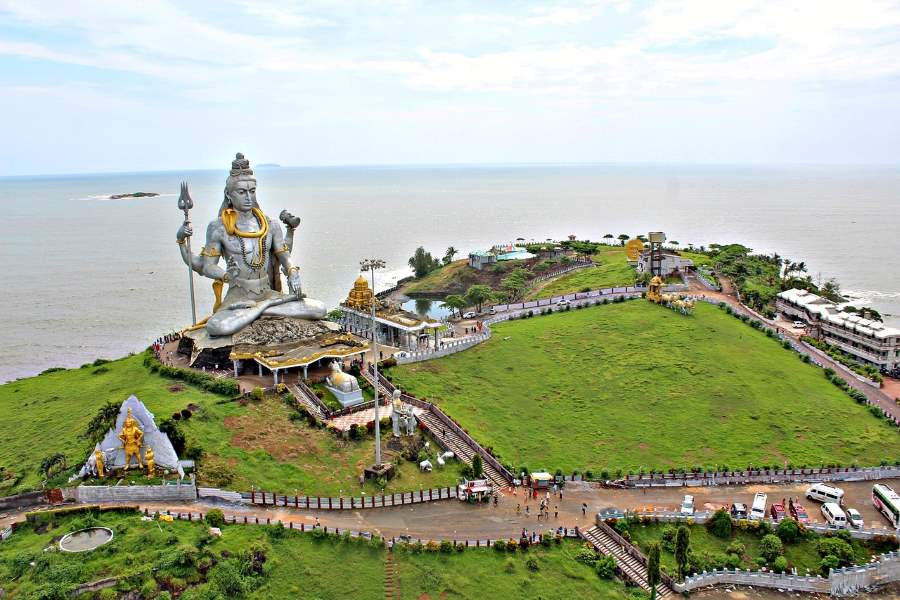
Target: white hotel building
870	342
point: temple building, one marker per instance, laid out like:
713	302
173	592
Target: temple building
395	327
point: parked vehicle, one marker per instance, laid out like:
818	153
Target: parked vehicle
834	515
799	324
758	511
854	518
822	492
738	511
492	312
798	513
887	501
687	505
777	512
562	303
469	315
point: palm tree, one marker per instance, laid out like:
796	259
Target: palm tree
449	254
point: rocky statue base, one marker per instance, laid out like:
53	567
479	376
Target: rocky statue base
346	398
385	470
285	339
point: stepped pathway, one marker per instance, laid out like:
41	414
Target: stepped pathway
630	566
391	578
312	407
449	439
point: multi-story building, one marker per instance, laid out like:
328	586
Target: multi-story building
867	340
671	263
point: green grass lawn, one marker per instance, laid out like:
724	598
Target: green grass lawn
612	270
42	415
256	444
634	385
486	573
801	554
296	565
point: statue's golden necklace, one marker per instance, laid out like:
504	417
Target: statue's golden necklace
229	220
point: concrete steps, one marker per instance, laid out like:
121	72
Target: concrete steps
312	407
458	446
630	566
391	578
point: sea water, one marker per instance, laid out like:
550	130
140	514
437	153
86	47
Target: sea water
88	277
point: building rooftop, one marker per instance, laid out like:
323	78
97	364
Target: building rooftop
828	311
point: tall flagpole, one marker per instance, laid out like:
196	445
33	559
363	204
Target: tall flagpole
372	265
185	203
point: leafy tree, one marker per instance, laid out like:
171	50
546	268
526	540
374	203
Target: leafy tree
788	530
622	238
837	548
456	302
227	579
653	568
478	295
422	263
682	548
449	254
170	428
720	524
103	421
608	236
53	464
514	284
770	547
477	466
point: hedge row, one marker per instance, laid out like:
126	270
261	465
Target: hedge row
223	387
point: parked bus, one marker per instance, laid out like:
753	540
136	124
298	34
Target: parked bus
887	501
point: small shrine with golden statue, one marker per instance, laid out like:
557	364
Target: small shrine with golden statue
674	301
134	443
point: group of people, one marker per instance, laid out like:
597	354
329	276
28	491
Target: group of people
544	507
160	342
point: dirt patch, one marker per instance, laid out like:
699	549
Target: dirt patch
176	387
265	427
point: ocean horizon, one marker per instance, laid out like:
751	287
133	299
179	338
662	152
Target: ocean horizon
93	277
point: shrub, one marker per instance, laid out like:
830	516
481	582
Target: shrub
788	530
733	561
736	547
837	548
605	566
720	524
215	518
586	555
446	546
546	538
531	564
668	538
770	547
780	564
500	545
829	562
432	546
226	578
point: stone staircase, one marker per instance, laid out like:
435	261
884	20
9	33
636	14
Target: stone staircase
311	406
630	566
391	578
447	438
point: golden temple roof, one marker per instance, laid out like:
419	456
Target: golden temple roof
361	296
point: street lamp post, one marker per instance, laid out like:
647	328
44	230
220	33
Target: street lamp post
373	264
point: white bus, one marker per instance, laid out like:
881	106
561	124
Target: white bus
887	501
758	512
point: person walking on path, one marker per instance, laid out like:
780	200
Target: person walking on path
583	509
556	513
518	509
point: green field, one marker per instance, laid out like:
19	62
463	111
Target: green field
252	445
487	573
152	556
612	270
635	385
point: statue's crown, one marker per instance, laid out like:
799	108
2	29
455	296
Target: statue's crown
240	166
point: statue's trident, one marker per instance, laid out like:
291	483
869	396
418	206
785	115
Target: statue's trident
186	204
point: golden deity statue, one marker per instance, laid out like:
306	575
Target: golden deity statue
151	464
131	437
98	459
654	290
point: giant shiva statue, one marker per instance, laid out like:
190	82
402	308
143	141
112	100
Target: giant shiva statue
253	247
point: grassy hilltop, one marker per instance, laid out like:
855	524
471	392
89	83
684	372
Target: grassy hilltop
636	385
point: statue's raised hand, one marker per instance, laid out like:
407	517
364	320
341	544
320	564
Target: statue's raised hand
185	231
288	219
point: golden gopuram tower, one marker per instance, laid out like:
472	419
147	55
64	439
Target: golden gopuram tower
361	297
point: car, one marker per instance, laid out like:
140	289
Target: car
563	302
492	311
687	505
799	324
469	315
738	511
402	354
855	519
798	513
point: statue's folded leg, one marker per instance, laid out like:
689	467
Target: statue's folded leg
300	309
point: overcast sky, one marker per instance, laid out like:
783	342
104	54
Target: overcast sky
94	86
